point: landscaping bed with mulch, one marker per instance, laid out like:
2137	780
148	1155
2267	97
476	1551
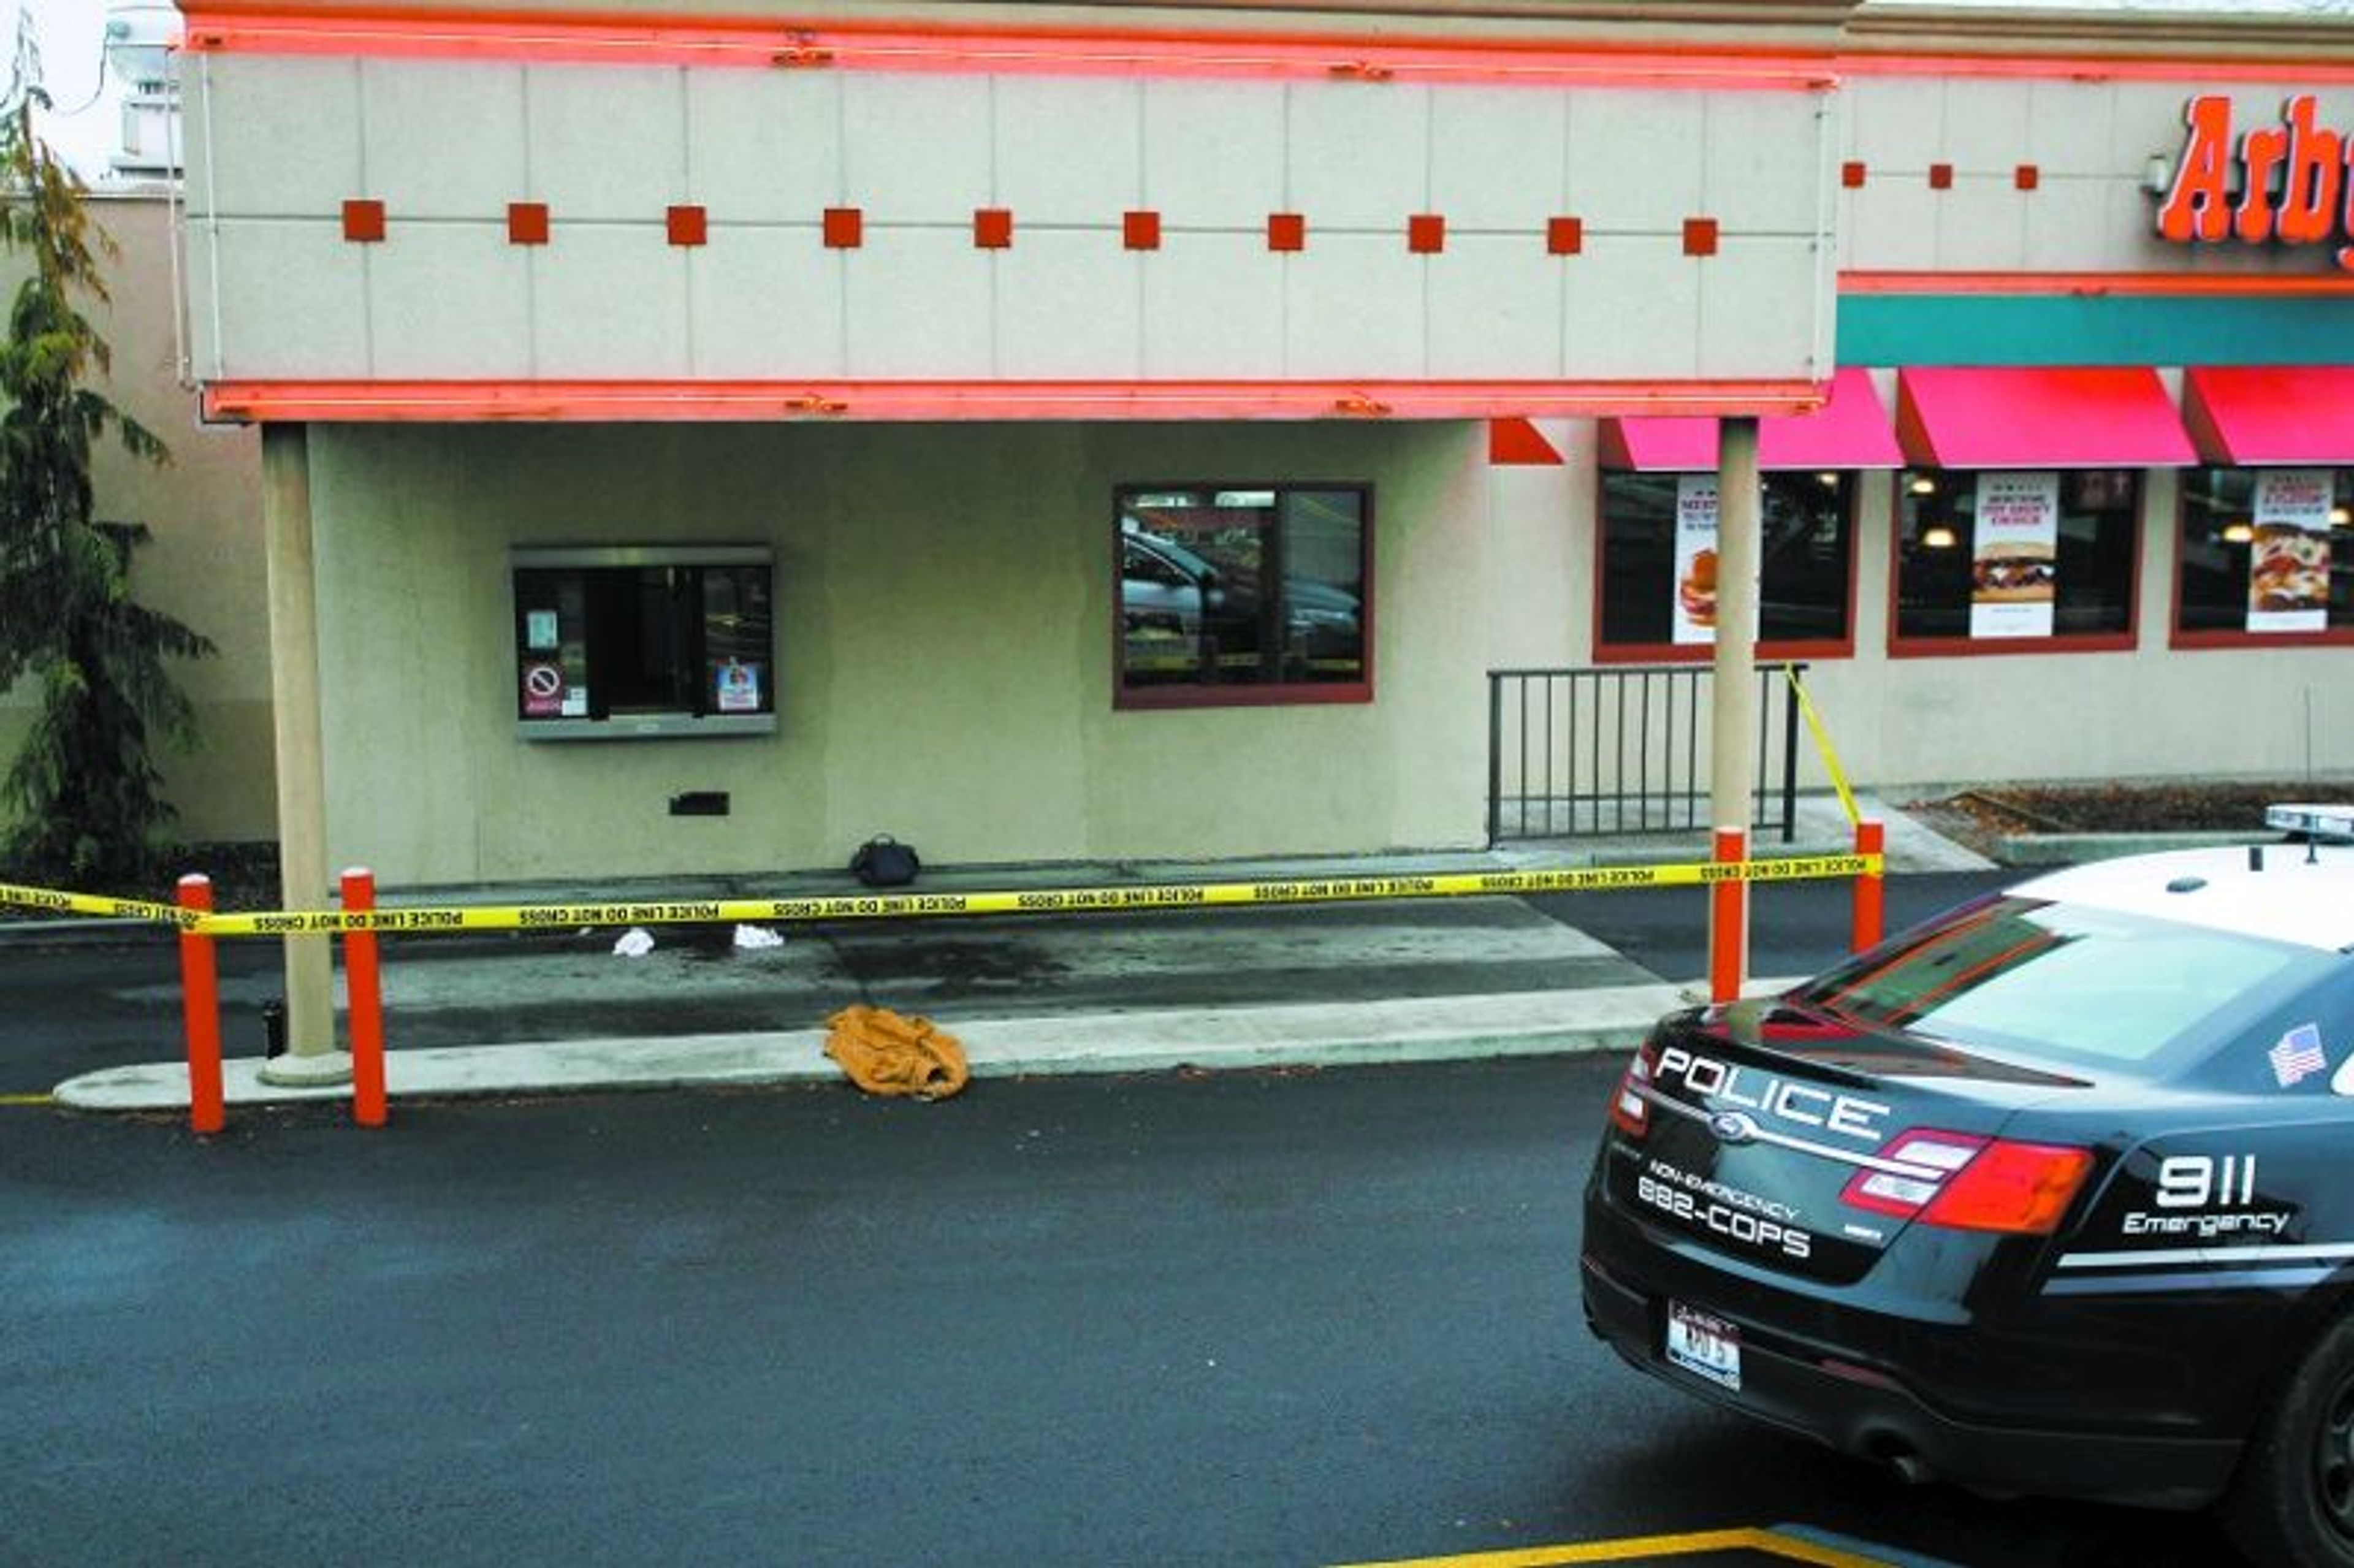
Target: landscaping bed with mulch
1997	812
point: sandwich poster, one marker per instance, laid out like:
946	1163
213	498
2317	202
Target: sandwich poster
2288	563
2013	576
1695	610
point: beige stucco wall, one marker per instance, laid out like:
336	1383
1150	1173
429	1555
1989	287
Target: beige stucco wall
945	650
204	565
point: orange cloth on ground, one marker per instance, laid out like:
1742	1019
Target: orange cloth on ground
886	1054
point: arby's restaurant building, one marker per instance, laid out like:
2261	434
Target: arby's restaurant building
703	440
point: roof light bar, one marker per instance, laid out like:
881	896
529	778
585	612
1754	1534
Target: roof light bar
2333	824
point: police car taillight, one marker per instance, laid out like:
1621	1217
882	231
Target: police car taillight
1629	1113
1972	1183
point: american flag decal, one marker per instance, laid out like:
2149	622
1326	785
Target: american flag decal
2298	1056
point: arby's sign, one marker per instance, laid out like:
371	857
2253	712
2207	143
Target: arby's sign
2282	180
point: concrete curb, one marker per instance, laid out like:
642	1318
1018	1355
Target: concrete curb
2035	849
1420	1029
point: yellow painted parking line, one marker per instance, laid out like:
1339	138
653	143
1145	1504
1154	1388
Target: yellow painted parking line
26	1100
1648	1549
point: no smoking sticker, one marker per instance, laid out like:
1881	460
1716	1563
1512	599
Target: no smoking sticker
543	689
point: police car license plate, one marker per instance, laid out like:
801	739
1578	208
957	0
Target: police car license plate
1708	1347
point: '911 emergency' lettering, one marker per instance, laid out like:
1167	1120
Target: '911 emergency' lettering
2222	1186
2195	1180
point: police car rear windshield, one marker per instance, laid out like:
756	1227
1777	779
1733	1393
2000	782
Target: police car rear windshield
2091	986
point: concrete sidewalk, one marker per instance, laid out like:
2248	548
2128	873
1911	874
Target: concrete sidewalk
1266	986
1417	1029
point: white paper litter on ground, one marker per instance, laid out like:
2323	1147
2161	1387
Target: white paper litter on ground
758	936
635	943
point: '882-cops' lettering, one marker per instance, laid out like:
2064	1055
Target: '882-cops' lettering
1741	1217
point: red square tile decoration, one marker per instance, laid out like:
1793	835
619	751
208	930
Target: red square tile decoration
1140	230
363	221
993	229
845	228
1425	234
686	225
526	223
1700	236
1565	235
1941	176
1287	231
1851	175
2026	177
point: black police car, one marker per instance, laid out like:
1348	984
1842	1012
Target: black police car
2053	1194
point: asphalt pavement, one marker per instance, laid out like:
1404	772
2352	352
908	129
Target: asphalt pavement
1235	1319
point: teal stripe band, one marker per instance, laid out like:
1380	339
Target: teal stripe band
2051	328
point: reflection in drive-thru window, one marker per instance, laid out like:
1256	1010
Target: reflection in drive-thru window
1247	593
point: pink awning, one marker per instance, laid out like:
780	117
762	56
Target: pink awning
2105	417
1850	431
2274	415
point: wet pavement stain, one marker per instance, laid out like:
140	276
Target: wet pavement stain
952	963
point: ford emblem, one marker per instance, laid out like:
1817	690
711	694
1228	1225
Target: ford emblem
1732	1127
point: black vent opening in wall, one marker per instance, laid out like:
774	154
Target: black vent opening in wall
699	803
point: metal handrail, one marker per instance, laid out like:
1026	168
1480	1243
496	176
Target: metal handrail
1623	748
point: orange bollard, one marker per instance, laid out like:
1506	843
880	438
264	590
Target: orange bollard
363	984
1728	913
200	1012
1871	889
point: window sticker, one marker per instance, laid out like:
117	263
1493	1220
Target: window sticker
2298	1056
543	689
540	629
736	687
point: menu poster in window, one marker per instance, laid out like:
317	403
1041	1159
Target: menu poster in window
2288	564
2013	571
1695	612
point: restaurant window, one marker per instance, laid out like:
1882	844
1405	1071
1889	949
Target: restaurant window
2267	552
1243	594
628	642
1659	563
2015	559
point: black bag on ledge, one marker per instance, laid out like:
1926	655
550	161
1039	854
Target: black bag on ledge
884	861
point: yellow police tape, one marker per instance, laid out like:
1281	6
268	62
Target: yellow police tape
900	906
92	904
1823	745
